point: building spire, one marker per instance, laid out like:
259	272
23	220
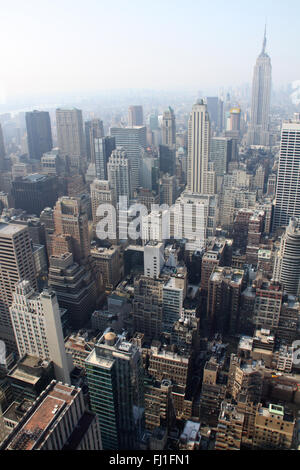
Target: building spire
265	40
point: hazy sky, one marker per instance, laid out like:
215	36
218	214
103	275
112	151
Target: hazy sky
58	45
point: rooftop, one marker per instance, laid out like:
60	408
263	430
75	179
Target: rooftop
10	229
39	422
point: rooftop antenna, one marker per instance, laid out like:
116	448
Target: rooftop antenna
265	39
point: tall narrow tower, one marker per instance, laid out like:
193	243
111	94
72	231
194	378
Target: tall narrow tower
258	133
198	148
287	260
16	263
43	334
135	116
287	203
39	136
115	381
70	135
169	128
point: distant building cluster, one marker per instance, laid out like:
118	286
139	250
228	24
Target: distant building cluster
182	338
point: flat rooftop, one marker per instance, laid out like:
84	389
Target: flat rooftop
35	177
38	424
17	410
99	361
10	229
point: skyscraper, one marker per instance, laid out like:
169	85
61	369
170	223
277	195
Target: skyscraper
34	192
102	149
114	374
169	128
220	154
287	259
118	170
101	193
258	133
16	263
71	219
198	148
2	147
93	129
287	202
133	139
148	306
70	135
37	327
75	288
57	420
39	135
167	159
135	116
213	109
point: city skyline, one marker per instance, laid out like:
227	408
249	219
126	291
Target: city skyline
65	61
149	238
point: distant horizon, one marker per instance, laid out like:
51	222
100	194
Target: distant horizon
62	98
52	47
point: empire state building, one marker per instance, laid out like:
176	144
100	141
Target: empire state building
258	133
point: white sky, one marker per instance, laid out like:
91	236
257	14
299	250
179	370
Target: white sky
50	46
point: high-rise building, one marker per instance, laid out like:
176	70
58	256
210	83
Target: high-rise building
195	218
2	147
255	229
213	109
245	377
174	292
167	159
39	136
214	256
287	201
213	392
114	375
224	297
153	121
118	170
155	227
230	428
75	288
169	128
37	326
287	259
176	367
153	259
149	172
135	116
16	263
198	149
70	135
109	263
258	133
53	164
101	193
29	377
71	219
220	154
34	192
148	306
273	428
133	139
267	306
103	148
168	189
93	130
57	420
